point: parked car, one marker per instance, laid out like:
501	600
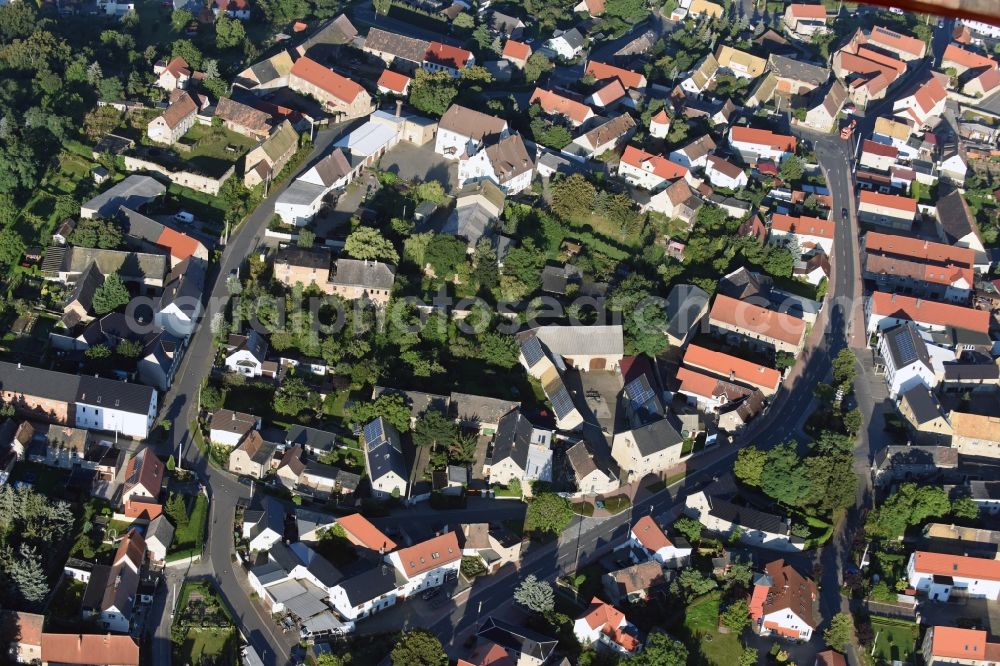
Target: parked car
184	216
431	593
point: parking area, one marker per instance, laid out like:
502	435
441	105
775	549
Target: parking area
328	222
596	396
420	163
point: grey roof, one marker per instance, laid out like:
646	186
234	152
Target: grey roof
314	257
747	517
185	281
139	226
400	46
508	25
300	193
469	222
269	572
235	422
583	461
269	516
311	438
517	639
985	490
347	480
479	409
573	37
367	274
253	342
906	346
383	450
513	439
135	191
317	565
954	215
283	556
160	529
88	283
922	403
306	521
418	401
971	371
655	436
29	381
588	340
333	167
642	401
129	265
555	279
686	304
369	584
904	455
336	31
792	68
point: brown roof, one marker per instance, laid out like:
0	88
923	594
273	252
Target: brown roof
790	590
292	459
428	555
90	649
638	577
146	469
361	532
976	426
24	628
177	112
611	130
473	124
245	116
509	157
178	66
235	422
650	535
255	447
747	316
725	168
399	46
830	658
132	548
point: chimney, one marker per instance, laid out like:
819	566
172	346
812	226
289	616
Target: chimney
399	108
18	365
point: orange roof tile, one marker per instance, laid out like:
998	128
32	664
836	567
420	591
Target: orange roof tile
595	7
894	40
942	564
989	79
428	555
326	80
807	11
893	201
956	643
764	322
603	72
627	641
954	53
28	627
898	306
447	56
555	104
657	164
931	92
178	66
660	118
610	93
181	246
880	149
363	533
880	58
805	225
393	81
725	365
516	50
494	655
650	535
89	649
601	614
764	137
935	256
136	507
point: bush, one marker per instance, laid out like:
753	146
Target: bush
617	504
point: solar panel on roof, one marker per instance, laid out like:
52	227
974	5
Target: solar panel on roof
374	435
532	350
639	392
907	350
133	478
562	403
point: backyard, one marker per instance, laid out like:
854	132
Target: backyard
707	644
213	149
896	640
203	631
189	536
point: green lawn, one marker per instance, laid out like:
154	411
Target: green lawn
702	620
191	536
897	640
218	646
205	207
214	149
586	582
203	631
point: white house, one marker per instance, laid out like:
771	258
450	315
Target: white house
520	451
755	527
659	125
782	602
303	198
426	564
115	588
366	593
648	536
648	171
505	162
938	575
384	459
566	44
808	234
461	131
909	360
695	153
120	407
263	526
758	144
724	174
924	103
246	354
228	428
603	624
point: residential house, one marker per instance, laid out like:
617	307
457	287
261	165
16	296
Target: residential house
866	72
590	474
647	536
919	267
783	602
754	145
495	545
151	236
733	369
253	457
241	118
803	235
584	347
263	524
426	564
477	208
143	477
384	459
953	645
290	467
228	428
924	104
884	310
520	451
647	448
393	83
983	83
721	173
804	20
554	104
590	7
705	8
823	116
659	125
939	575
753	526
701	76
83	649
677	201
962	60
955	224
904	47
986	496
159	537
174	122
924	417
739	63
268	159
237	9
888	210
878	156
370	281
365	593
633	584
648	171
111	596
402	52
685	308
777	330
246	354
173	75
975	434
338	94
896	463
461	131
363	534
513	644
796	77
305	197
22	635
480	413
516	53
605	626
505	162
605	137
267	74
567	44
909	360
326	481
510	27
446	58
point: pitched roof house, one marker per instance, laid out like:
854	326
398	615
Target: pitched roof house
782	602
779	330
732	368
338	93
554	104
384	459
602	623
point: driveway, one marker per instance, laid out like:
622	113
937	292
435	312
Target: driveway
420	163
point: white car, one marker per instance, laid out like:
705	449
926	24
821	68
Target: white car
184	216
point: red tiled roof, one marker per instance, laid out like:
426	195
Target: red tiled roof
178	66
139	508
885	304
494	655
327	80
650	535
603	72
362	532
660	118
764	138
610	93
181	246
149	473
601	614
28	627
930	93
726	365
807	11
750	317
657	164
428	555
516	50
956	643
893	201
790	590
90	649
934	256
132	548
968	59
393	81
556	104
897	41
595	7
989	79
231	5
447	56
880	149
830	658
806	226
942	564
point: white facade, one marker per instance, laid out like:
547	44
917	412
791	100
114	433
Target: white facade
563	48
179	318
433	578
697	506
670	554
980	28
760	150
263	541
902	379
478	168
942	588
106	417
454	145
720	179
245	363
385	485
114	620
789	621
338	597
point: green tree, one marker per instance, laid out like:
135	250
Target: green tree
748	657
294	397
853	421
179	19
213	398
964	508
550	134
736	617
11	247
573	196
185	48
844	368
784	477
176	511
382	6
536	65
749	465
432	93
430	190
418	647
791	169
779	262
547	512
535	596
171	463
434	428
229	33
128	348
368	243
97	352
464	20
631	11
909	505
392	406
27	575
689	527
445	253
838	634
661	650
694	583
111	295
498	349
306	238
